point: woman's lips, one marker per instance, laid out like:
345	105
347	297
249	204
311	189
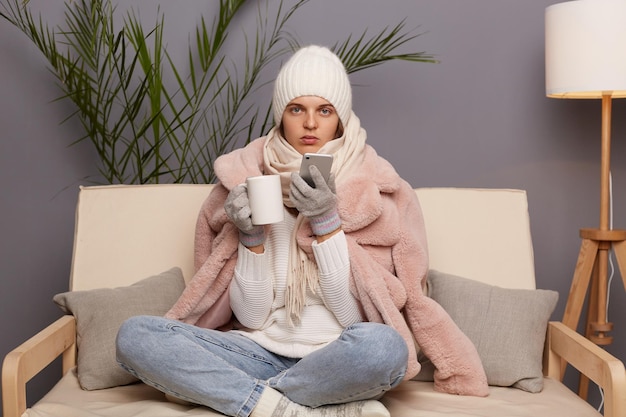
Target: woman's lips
309	140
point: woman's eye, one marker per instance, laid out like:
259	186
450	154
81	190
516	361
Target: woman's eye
326	111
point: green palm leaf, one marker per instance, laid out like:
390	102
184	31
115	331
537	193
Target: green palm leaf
148	120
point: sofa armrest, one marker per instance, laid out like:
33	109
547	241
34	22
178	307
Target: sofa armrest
564	344
27	360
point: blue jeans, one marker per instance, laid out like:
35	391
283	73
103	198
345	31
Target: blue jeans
228	372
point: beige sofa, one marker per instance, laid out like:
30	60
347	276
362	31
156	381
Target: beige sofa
125	234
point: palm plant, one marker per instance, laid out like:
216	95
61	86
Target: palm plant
143	129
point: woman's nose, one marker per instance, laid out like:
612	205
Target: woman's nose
310	122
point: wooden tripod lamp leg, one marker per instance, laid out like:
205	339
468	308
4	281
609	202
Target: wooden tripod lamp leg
591	275
580	282
597	326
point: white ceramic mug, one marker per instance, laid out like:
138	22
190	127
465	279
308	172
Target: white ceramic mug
266	199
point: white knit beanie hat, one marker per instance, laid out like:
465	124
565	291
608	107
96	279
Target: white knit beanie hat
313	71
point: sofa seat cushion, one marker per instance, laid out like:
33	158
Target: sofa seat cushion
67	399
417	398
409	399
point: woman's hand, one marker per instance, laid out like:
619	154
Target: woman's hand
319	204
237	207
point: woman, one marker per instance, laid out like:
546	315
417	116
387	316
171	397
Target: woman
327	304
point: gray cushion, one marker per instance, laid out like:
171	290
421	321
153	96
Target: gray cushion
507	326
99	314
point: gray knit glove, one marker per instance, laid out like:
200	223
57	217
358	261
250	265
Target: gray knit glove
237	208
319	204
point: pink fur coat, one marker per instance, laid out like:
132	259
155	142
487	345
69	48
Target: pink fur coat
383	223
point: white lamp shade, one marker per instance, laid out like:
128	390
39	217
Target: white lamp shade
586	49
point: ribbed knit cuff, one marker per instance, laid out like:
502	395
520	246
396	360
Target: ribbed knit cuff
326	223
255	238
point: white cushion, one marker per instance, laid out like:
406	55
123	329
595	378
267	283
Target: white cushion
67	399
481	234
413	398
125	231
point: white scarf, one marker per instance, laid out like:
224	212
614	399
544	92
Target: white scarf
281	158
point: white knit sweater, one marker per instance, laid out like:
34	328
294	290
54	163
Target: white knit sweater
257	294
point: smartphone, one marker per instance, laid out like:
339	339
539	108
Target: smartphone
323	162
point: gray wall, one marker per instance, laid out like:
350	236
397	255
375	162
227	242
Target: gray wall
480	118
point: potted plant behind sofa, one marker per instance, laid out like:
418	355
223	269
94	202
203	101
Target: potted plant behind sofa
144	130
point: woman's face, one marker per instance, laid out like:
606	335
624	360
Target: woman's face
309	122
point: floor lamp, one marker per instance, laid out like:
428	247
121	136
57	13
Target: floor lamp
586	59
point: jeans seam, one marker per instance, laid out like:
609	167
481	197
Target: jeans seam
228	347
